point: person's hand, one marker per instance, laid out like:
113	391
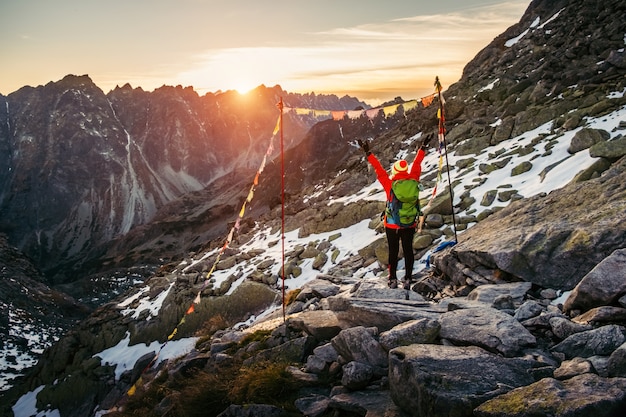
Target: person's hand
425	142
365	146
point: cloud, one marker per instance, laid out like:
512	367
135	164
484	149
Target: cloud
365	57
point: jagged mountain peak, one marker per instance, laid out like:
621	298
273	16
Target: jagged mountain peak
551	44
103	164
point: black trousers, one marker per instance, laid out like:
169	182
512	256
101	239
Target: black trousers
394	237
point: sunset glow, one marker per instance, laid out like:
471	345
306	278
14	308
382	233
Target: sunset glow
372	50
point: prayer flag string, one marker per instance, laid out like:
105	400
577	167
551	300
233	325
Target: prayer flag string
441	148
191	309
372	113
441	115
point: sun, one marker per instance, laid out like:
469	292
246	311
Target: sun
243	87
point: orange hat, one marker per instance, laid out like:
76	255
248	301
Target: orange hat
399	166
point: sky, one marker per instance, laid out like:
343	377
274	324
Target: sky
372	49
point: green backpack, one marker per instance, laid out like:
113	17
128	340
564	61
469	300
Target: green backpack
404	206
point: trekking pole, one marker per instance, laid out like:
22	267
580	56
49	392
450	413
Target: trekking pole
442	140
282	197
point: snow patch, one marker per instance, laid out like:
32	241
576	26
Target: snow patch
617	94
516	39
152	305
26	406
554	16
489	86
533	26
123	356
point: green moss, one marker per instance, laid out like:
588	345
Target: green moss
579	238
258	336
521	168
335	255
510	403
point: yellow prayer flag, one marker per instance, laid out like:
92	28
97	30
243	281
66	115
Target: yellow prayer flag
390	110
409	105
172	334
321	113
277	128
303	112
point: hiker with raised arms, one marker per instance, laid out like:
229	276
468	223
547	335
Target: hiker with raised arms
402	189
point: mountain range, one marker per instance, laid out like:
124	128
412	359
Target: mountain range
81	168
104	192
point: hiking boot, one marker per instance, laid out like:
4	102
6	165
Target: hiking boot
393	283
406	284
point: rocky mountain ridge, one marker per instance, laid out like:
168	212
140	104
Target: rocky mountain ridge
464	314
80	168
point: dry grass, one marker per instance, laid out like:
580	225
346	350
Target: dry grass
212	325
207	394
264	383
291	296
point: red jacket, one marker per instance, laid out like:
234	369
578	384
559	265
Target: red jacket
385	180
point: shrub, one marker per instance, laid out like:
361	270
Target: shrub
265	383
292	295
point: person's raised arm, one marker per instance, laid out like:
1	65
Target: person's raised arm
381	173
416	168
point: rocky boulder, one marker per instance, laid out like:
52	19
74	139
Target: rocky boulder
552	241
580	396
603	285
586	138
446	381
488	328
358	344
601	341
